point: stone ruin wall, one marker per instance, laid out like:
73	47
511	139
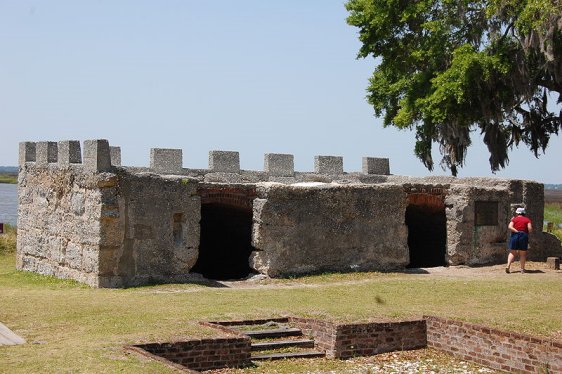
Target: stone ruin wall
111	226
299	229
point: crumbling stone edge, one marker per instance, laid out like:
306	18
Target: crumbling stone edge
490	347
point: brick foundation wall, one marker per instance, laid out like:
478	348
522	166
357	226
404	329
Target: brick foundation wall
507	351
367	339
323	332
363	339
203	354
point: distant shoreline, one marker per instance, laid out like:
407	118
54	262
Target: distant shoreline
9	178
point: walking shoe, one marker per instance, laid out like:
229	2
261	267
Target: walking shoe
507	270
522	271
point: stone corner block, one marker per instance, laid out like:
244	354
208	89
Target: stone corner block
328	164
374	165
69	152
166	160
97	156
46	153
115	155
26	152
279	165
224	161
553	263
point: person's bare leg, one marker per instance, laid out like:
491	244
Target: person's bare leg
522	259
510	259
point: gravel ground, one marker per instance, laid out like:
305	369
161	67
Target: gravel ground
414	362
421	361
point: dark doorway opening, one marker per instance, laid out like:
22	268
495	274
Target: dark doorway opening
225	242
427	233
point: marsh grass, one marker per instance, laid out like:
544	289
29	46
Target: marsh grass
73	328
11	178
553	213
8	240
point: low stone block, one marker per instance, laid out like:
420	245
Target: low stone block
115	155
328	165
97	156
26	152
46	153
279	165
166	160
224	161
69	152
374	165
553	263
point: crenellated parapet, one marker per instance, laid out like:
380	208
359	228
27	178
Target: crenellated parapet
99	156
82	215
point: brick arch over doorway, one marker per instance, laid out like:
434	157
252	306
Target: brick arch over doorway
226	232
427	229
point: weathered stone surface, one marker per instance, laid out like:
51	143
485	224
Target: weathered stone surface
467	242
45	153
279	165
144	230
166	160
115	227
115	155
224	161
330	165
374	165
553	263
69	153
303	229
57	221
26	152
97	156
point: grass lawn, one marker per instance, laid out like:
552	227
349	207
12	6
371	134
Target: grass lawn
73	328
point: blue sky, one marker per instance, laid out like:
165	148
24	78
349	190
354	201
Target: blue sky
252	76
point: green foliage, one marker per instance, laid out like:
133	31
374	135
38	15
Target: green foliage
450	67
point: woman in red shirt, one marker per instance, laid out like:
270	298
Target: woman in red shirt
520	227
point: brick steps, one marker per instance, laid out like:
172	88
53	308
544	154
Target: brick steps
285	355
282	342
273	333
279	344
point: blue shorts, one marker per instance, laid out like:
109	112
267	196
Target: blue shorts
519	241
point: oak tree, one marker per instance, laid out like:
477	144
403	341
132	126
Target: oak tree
447	68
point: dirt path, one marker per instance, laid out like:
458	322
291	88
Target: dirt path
533	269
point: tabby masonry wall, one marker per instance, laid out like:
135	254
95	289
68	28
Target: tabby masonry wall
90	219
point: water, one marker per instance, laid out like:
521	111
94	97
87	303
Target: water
9	203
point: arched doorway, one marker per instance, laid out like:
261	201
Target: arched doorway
226	232
427	230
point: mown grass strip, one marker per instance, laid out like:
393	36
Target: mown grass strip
73	328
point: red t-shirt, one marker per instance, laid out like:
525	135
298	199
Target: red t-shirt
520	223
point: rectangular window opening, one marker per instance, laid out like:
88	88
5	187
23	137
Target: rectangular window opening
486	213
177	228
